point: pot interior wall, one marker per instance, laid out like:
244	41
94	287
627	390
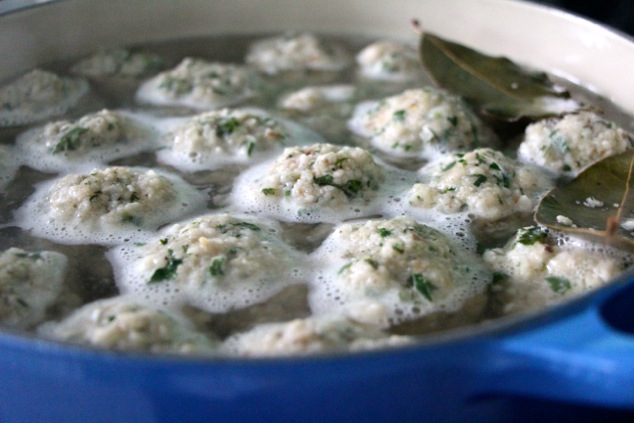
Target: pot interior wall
535	36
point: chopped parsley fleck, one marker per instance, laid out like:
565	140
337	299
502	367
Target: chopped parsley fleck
250	148
169	270
344	268
494	166
479	179
372	262
499	277
163	241
384	232
176	85
398	247
269	191
217	267
247	225
422	285
399	115
95	195
340	161
70	141
503	180
30	256
350	188
324	180
558	284
227	127
531	235
132	219
453	120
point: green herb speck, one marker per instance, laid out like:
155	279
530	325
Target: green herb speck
422	285
372	262
169	270
250	148
70	141
531	235
324	180
217	267
227	127
344	268
480	179
499	277
247	225
399	115
558	284
132	219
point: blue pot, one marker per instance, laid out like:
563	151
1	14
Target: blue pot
572	362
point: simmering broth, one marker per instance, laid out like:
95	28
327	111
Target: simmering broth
300	277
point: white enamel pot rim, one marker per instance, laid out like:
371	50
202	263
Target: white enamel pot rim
538	36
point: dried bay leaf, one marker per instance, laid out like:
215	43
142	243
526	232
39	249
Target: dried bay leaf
495	85
598	203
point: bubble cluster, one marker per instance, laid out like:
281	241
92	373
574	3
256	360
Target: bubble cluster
107	206
218	138
386	272
38	95
93	140
216	262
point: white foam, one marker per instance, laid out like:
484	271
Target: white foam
567	240
34	109
138	137
211	160
247	197
329	293
194	72
37	216
133	274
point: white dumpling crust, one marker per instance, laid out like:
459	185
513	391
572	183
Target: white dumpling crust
385	272
125	324
568	144
420	123
532	271
215	262
484	182
30	282
292	52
